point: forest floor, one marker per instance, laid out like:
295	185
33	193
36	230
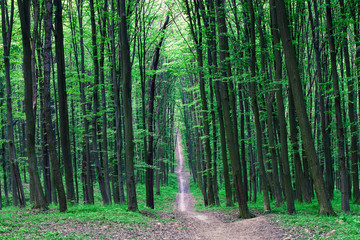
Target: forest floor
218	225
176	216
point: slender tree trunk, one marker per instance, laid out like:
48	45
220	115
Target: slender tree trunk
233	145
75	165
281	113
63	105
255	110
325	207
89	191
323	115
24	12
195	25
103	98
95	106
7	24
129	133
338	113
5	172
55	165
351	108
150	154
354	164
118	119
213	66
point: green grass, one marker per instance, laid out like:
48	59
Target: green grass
25	223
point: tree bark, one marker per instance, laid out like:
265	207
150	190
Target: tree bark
338	113
105	161
255	109
129	134
118	119
7	25
63	105
150	154
325	207
95	107
323	115
354	164
351	109
233	145
213	66
89	191
24	12
281	113
55	165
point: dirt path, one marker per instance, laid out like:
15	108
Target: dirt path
208	225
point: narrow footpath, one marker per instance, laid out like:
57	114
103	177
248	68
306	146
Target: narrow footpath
208	224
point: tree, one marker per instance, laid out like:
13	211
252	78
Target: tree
196	31
322	107
233	145
105	196
55	166
338	113
63	104
325	207
118	171
129	132
7	26
255	109
39	197
150	154
351	111
281	111
87	179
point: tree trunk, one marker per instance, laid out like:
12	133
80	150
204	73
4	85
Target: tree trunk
325	207
103	99
255	109
213	66
63	105
89	191
129	134
118	171
351	109
338	113
150	154
354	164
323	115
7	24
55	165
281	113
195	25
24	12
95	106
233	145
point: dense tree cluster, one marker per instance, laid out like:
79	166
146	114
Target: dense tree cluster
265	93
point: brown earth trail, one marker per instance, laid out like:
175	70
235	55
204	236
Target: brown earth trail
208	225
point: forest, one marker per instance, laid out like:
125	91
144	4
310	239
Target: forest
106	104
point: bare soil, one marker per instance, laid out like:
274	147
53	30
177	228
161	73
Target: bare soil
214	225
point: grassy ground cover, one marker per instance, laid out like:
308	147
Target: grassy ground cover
86	221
